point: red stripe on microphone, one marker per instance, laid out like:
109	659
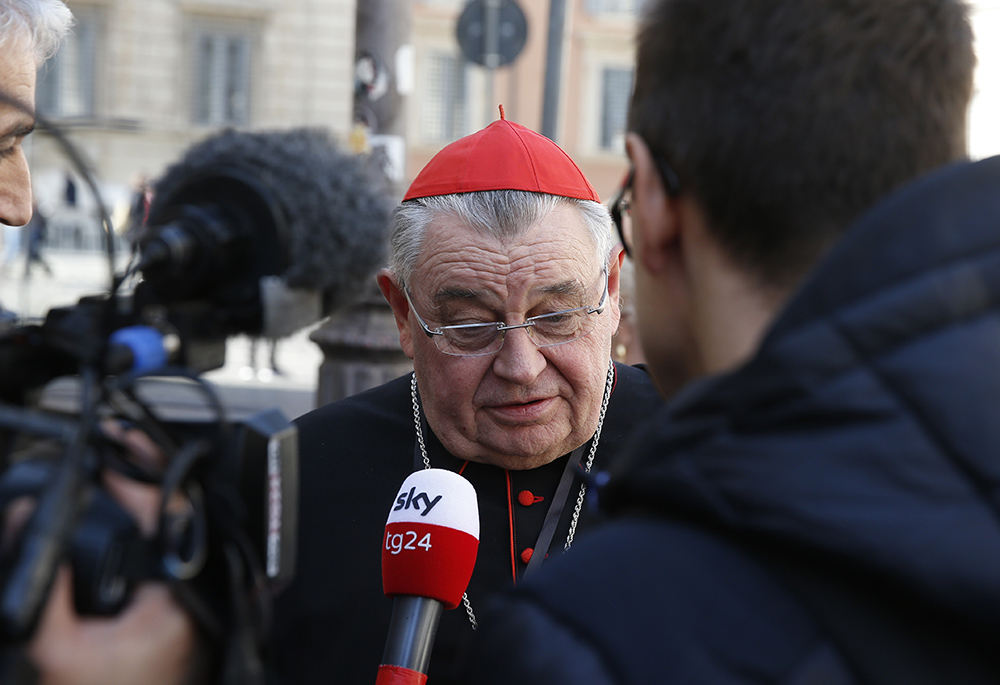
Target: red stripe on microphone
397	675
424	560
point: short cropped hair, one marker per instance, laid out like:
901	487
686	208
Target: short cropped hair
787	119
501	214
42	23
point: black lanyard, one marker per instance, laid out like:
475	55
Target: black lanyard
555	510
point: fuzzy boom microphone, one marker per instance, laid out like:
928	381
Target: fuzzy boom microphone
429	551
270	230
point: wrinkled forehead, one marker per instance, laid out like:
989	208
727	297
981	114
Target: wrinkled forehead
17	76
557	249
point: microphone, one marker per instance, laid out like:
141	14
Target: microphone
276	229
429	551
256	233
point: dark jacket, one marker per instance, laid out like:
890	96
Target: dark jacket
331	623
861	442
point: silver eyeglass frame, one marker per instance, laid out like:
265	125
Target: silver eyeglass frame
502	328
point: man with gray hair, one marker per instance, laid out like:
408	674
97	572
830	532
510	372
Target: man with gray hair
30	33
153	640
504	283
817	266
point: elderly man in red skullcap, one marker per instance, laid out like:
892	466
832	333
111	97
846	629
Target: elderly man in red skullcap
504	283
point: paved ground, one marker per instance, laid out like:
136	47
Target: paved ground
77	274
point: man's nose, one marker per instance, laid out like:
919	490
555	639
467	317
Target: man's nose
519	360
15	191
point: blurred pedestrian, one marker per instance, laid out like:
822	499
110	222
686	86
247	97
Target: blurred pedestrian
142	196
37	234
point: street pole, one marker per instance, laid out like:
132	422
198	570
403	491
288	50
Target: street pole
491	50
553	69
360	344
383	71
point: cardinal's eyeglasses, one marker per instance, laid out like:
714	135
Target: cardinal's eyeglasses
545	330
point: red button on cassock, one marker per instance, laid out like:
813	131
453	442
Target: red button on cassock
525	498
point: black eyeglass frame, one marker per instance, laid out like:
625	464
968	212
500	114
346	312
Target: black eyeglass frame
671	182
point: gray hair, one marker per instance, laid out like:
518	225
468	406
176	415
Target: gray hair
501	214
42	24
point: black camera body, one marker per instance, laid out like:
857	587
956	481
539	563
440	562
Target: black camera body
232	545
239	478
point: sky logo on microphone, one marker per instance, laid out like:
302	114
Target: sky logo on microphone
431	537
408	499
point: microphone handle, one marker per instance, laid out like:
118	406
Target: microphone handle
411	632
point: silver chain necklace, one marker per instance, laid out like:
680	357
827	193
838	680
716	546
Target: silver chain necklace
608	384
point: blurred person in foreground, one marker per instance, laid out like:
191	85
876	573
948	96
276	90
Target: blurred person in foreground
153	639
504	283
817	266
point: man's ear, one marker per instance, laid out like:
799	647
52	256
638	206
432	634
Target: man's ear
394	295
614	279
656	224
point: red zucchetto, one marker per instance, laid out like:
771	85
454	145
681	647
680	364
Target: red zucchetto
502	156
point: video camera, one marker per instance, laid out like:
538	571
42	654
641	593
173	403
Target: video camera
239	234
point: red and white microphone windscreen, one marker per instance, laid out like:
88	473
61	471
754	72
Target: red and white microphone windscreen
431	537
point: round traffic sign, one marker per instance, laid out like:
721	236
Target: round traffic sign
510	31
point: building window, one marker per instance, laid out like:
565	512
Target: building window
66	83
631	7
222	60
616	89
444	104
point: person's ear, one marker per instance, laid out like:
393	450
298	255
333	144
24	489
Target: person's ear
614	279
656	224
394	295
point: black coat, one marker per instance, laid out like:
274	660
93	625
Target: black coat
331	623
863	440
